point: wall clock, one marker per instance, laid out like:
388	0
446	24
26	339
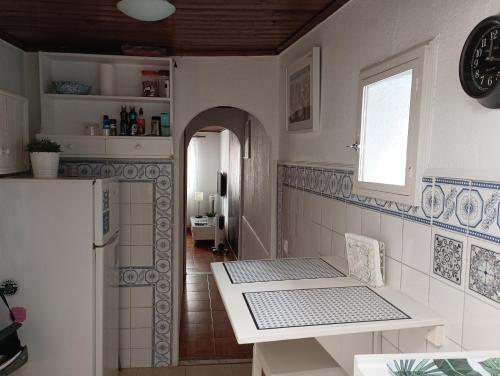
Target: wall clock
480	63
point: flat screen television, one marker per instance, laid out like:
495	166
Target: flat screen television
221	183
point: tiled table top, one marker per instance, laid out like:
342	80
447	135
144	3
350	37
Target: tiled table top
246	330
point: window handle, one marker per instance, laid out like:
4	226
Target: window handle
354	146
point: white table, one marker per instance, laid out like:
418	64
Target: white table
246	331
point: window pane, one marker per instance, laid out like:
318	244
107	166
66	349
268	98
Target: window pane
384	130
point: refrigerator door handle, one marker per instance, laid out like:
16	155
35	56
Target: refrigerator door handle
111	240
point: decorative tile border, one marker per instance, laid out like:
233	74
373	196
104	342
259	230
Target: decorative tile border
159	276
458	205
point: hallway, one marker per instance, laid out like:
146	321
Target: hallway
206	334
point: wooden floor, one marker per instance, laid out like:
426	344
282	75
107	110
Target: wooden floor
206	334
242	369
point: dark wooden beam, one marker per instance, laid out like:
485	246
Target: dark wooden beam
316	20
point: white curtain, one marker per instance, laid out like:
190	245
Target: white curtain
192	177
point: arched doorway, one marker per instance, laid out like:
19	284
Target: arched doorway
247	231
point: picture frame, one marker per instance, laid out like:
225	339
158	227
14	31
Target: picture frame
303	81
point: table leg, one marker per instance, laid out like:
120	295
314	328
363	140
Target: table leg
256	364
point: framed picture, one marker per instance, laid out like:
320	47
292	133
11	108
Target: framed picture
248	139
303	92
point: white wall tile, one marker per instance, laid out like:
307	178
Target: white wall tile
125	255
413	340
308	205
124	338
391	233
299	201
124	234
124	192
314	240
449	302
141	296
141	214
416	245
353	219
140	358
125	318
141	234
124	297
325	243
125	358
141	255
316	203
393	273
415	284
338	245
141	193
326	212
388	348
141	317
338	216
481	325
370	223
140	338
124	214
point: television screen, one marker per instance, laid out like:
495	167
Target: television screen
221	183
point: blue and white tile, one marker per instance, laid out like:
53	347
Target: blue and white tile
483	273
488	227
454	215
448	257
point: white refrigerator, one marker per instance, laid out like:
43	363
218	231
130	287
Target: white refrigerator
59	240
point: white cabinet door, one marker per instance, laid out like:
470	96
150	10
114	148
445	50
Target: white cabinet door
13	133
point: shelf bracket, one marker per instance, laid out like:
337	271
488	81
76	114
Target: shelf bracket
436	335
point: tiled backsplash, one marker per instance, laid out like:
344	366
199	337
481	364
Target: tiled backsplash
146	244
444	253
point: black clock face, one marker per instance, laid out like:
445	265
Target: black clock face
485	60
480	63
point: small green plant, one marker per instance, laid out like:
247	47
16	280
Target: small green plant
43	145
211	215
424	367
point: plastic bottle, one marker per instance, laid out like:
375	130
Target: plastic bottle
141	123
105	125
123	121
132	122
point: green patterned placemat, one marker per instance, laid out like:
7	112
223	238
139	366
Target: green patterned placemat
445	367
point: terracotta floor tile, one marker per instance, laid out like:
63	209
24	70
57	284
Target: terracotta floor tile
196	306
200	295
196	331
197	287
196	318
223	330
197	349
220	317
195	278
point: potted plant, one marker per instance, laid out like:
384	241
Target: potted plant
44	156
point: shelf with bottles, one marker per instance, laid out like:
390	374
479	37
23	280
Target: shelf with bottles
118	78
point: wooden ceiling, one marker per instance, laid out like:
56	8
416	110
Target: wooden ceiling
199	27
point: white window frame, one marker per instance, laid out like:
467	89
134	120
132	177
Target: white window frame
421	60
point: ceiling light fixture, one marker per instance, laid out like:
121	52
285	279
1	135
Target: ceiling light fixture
146	10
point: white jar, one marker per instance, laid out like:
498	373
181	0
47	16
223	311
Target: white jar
107	79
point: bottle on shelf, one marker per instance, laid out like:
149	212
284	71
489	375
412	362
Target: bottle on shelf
165	124
155	126
164	83
113	127
105	125
123	121
132	119
141	123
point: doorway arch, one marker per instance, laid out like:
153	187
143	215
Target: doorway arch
255	225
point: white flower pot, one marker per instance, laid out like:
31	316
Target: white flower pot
45	165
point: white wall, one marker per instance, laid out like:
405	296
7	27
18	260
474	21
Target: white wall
11	68
207	163
363	32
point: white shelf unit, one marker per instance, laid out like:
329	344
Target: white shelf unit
69	115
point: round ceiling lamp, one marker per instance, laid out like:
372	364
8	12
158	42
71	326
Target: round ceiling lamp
146	10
